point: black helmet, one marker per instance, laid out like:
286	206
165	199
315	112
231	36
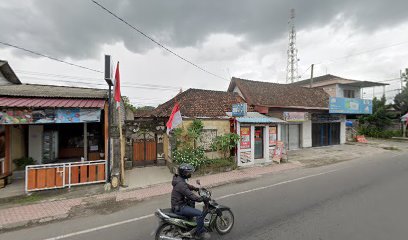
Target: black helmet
185	170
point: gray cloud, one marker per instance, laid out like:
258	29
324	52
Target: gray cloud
78	29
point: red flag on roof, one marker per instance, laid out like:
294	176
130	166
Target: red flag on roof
117	87
175	118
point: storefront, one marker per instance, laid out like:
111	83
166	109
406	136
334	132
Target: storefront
48	132
259	137
328	129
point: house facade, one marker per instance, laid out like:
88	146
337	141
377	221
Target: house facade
53	125
305	111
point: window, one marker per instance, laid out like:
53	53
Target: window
348	93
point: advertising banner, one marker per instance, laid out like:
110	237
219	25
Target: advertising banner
350	106
239	110
41	116
294	116
245	137
272	135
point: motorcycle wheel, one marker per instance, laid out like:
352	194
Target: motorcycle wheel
224	224
167	230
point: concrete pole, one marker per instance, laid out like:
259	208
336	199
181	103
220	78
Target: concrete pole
311	76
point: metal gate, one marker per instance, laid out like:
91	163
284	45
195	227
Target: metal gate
61	175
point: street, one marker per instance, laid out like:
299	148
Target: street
361	199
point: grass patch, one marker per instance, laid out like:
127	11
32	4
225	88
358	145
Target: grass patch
28	199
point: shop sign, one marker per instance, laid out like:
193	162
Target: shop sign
325	118
41	116
239	110
295	116
279	151
350	105
272	135
245	137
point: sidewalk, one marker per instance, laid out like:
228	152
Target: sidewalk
59	209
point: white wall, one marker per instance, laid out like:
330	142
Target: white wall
341	88
343	130
236	89
35	142
307	134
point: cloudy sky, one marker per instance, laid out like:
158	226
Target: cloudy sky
363	40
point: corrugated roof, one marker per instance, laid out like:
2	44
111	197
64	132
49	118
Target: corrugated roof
256	117
33	90
51	102
350	82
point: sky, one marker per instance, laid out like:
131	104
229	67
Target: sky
362	40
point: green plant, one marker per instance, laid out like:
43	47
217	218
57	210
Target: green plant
193	156
371	131
225	143
21	163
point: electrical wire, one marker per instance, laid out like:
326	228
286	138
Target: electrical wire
156	42
49	57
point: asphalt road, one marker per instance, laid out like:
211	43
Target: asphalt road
359	199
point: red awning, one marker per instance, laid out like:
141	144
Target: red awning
51	102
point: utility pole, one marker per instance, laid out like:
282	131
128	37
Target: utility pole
311	76
108	79
292	65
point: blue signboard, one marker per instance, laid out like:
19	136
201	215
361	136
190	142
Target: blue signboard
239	110
350	106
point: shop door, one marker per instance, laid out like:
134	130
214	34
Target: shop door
259	148
294	136
325	134
145	150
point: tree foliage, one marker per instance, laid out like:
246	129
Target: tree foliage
380	117
401	100
225	143
128	104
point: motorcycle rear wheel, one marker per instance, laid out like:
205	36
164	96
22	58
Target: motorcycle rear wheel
168	230
224	224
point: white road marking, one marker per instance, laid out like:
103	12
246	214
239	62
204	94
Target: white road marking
151	215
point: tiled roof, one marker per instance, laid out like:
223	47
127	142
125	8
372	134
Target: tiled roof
33	90
280	95
200	103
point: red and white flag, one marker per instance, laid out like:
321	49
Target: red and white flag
117	95
175	118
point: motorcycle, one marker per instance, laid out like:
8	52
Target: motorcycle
172	226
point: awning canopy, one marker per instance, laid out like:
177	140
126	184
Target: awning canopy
365	84
255	117
51	102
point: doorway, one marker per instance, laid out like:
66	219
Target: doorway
325	134
259	143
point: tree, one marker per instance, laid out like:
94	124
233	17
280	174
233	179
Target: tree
401	100
128	104
380	117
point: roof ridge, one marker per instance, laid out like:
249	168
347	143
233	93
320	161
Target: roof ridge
47	85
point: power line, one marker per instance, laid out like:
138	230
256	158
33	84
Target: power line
104	85
46	56
363	52
76	78
156	42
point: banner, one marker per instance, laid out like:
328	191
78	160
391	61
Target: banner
350	105
245	137
272	135
41	116
294	116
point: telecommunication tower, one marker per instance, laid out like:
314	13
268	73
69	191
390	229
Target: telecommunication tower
292	68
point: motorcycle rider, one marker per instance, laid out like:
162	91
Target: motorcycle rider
180	197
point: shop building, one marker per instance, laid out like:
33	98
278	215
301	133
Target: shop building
51	124
305	112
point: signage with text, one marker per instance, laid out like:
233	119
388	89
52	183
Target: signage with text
350	105
245	138
239	110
